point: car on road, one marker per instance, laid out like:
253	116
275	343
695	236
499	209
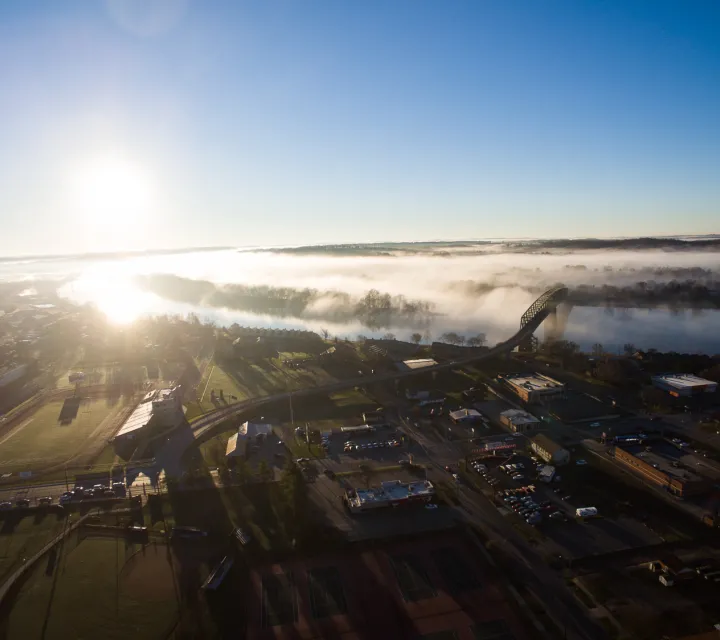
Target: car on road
329	473
22	503
302	460
594	424
431	506
566	498
46	500
517	435
518	477
581	462
65	497
4	506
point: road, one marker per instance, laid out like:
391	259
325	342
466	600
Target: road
525	563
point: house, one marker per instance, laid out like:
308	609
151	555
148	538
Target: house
549	450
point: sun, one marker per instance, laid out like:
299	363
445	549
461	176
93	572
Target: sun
109	191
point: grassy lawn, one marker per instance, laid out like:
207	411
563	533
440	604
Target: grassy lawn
101	588
351	397
215	378
41	439
21	537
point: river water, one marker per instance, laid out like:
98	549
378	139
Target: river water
111	285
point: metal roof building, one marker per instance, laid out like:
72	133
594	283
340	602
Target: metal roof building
684	384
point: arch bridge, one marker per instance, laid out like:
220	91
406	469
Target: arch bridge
546	305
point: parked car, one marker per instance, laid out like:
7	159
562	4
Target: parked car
65	497
22	503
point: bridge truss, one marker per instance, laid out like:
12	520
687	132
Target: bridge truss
537	312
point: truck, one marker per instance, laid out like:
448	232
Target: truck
546	473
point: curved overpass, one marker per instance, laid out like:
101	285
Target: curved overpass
531	320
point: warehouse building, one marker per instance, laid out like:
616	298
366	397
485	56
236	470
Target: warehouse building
661	464
158	410
549	450
519	421
391	493
534	387
683	384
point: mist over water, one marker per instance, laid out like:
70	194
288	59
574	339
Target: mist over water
470	289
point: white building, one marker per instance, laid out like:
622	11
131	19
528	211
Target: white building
519	421
684	384
391	493
248	433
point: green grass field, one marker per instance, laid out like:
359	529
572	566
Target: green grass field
101	588
21	537
215	378
40	439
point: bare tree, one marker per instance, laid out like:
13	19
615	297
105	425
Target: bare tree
461	340
389	336
416	337
629	348
598	350
325	333
361	337
477	341
427	336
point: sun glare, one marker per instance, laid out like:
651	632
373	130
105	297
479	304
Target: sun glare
111	191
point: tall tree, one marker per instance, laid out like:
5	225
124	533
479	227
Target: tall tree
325	333
389	336
598	350
629	348
416	338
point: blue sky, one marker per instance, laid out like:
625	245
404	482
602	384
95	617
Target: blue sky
153	124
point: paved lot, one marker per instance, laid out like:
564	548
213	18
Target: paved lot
574	538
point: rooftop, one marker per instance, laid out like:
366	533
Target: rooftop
254	429
683	380
419	363
137	420
663	456
394	490
516	416
534	382
465	413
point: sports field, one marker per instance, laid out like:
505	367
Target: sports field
41	439
99	588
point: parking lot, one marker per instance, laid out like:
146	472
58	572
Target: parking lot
520	495
382	447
